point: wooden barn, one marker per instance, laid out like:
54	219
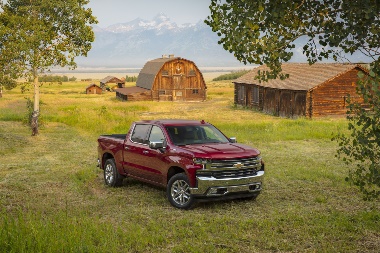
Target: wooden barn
93	89
310	91
167	79
111	79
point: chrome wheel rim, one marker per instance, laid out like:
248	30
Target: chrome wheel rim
180	192
108	173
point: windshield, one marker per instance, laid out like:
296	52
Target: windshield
202	134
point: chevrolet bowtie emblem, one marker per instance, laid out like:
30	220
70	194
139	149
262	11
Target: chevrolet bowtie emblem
238	165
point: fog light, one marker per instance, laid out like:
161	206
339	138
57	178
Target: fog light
212	191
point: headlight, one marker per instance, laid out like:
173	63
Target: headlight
201	160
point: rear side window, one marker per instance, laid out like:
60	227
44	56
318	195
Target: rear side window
140	134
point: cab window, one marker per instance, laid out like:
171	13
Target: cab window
156	135
140	133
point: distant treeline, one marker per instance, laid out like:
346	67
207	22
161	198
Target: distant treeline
130	78
51	78
231	76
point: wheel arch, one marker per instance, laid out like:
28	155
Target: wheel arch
105	157
173	171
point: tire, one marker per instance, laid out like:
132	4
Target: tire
111	175
178	192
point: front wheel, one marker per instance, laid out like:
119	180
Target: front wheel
178	192
111	175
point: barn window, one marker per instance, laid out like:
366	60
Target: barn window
161	92
192	72
255	94
195	91
165	72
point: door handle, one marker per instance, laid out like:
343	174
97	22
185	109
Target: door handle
145	152
126	148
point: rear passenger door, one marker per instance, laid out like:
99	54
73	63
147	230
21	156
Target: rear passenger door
143	162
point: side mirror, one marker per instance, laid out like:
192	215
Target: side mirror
156	144
233	140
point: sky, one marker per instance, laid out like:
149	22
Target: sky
109	12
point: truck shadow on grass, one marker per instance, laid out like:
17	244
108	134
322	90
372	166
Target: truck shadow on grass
154	195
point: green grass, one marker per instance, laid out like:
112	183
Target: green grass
53	199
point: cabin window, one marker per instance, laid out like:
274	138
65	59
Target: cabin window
255	94
165	72
192	72
195	91
161	92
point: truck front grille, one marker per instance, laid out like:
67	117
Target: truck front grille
242	163
231	168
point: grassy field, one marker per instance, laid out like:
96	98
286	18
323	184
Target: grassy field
53	199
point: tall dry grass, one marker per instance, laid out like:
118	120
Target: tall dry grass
53	199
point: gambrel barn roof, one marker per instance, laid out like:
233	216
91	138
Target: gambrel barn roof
150	70
148	73
302	76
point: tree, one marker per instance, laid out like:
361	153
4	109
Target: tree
266	32
362	147
38	34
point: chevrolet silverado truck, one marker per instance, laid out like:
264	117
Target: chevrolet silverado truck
193	160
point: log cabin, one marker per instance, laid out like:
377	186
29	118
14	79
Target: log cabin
93	89
167	79
111	79
316	90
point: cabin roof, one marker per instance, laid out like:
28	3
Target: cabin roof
302	76
91	85
149	71
111	79
131	90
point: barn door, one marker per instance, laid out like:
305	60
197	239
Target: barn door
285	104
248	97
300	105
179	87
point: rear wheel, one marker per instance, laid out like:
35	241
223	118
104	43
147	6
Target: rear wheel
111	175
178	192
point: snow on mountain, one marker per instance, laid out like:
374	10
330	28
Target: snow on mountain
132	43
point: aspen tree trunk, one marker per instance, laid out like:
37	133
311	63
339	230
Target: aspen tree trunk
36	107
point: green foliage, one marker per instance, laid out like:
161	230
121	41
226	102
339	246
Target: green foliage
231	76
362	146
264	32
51	78
35	35
130	78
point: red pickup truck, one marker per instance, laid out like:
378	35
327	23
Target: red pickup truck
193	160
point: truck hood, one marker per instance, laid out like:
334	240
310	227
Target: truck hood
221	150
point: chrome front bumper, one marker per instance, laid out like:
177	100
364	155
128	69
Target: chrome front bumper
213	187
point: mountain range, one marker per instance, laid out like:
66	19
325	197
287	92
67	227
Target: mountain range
132	44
